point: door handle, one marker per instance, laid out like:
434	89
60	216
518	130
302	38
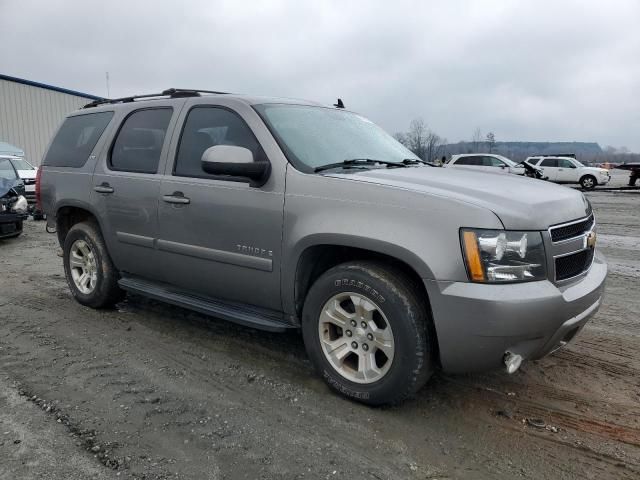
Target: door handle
104	187
560	170
176	198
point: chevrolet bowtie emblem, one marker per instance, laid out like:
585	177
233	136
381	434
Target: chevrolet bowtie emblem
591	239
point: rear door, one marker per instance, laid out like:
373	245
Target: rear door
549	167
126	186
221	238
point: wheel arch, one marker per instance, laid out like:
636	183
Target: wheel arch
70	213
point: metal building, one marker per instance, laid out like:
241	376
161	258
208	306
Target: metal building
31	112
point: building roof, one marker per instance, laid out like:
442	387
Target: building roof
48	87
8	149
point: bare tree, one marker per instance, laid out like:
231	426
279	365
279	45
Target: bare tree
477	139
402	138
491	141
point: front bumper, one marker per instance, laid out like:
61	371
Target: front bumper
477	323
10	224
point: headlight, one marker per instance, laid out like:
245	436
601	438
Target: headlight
498	256
21	205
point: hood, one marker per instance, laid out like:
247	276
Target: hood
27	174
521	203
6	185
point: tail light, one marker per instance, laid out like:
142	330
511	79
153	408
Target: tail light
38	179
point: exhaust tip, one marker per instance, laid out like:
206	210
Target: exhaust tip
512	361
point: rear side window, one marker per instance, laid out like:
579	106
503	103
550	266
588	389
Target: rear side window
206	127
549	162
76	139
469	161
138	146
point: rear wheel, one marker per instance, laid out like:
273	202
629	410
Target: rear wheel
90	273
588	182
365	329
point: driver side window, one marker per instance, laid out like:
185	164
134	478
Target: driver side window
564	163
206	127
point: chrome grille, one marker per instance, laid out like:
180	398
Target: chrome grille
574	264
571	230
570	249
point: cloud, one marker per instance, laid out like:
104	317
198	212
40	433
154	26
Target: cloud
527	70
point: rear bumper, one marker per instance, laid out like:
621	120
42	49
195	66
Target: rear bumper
476	323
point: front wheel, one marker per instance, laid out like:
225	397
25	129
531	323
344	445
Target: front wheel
588	182
365	329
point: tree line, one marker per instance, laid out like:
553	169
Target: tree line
431	147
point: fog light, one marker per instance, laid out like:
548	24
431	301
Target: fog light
512	361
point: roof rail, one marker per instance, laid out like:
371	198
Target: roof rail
570	155
170	92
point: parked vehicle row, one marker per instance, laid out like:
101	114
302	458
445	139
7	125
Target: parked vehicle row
13	204
557	169
282	214
27	173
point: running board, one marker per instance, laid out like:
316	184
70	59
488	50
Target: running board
244	315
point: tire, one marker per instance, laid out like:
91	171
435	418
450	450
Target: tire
396	305
102	289
588	182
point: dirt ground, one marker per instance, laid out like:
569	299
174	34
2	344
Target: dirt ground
152	391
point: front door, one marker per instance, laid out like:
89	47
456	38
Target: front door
126	186
566	171
220	238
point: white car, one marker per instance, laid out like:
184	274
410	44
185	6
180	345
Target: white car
488	162
570	170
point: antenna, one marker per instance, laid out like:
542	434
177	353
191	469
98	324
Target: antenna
107	78
339	104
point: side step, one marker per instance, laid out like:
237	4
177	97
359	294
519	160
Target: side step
244	315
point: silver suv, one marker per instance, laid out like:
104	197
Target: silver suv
280	214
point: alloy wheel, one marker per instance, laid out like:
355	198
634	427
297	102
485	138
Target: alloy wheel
83	267
356	337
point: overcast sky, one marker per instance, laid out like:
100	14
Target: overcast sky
526	70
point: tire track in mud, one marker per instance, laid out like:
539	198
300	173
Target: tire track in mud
92	373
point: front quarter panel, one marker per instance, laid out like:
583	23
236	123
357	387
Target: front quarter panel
419	229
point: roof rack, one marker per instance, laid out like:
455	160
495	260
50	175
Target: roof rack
170	92
570	155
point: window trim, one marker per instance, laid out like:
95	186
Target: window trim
206	176
110	166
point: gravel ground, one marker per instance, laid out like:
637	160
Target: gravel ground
152	391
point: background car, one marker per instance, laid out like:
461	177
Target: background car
570	170
13	205
485	161
27	174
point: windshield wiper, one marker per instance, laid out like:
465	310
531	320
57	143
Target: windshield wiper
358	162
411	161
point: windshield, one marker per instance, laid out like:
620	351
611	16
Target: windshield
6	170
576	162
22	164
508	161
316	136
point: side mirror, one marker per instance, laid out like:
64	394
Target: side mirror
235	162
503	166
